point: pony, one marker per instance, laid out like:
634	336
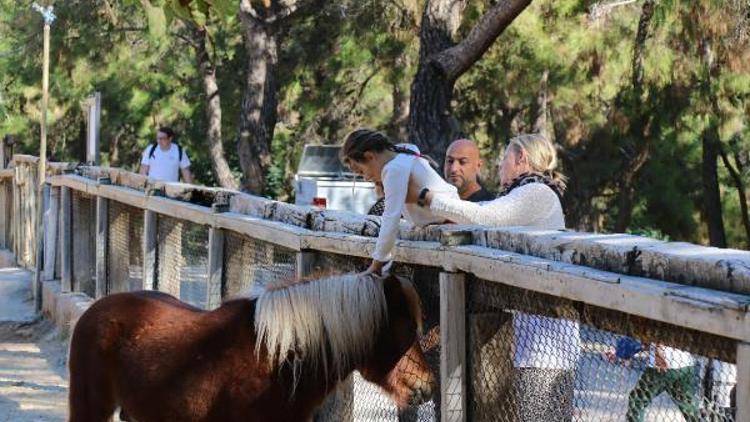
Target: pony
274	357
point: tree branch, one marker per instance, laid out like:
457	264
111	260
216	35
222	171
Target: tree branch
454	61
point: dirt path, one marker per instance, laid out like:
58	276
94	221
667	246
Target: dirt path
33	386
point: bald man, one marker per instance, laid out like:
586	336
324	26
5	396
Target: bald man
461	169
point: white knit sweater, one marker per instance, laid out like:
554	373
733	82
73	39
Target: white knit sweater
535	204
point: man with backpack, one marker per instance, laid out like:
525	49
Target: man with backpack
165	160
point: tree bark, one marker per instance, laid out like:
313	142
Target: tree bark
638	128
711	193
258	108
541	122
739	184
207	69
441	62
711	148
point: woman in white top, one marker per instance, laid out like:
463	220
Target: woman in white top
546	349
370	154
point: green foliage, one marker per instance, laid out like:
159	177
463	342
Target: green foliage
350	63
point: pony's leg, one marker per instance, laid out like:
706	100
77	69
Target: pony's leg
91	396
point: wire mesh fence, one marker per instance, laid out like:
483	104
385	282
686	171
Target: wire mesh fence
251	264
182	260
83	244
124	248
534	357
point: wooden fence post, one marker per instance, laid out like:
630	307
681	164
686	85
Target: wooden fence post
453	346
66	239
102	232
743	382
40	251
50	233
305	263
149	250
215	267
4	212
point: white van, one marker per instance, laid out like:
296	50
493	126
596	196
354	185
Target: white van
322	175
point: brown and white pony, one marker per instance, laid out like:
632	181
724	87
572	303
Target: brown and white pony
272	358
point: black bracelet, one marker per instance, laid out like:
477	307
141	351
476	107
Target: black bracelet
421	198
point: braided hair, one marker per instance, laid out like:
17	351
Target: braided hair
363	140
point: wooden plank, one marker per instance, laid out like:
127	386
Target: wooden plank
215	267
24	158
127	196
280	234
181	210
453	346
66	237
50	233
643	297
102	229
4	212
7	173
743	382
149	249
74	182
16	223
40	252
306	261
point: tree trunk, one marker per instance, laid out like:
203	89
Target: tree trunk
213	112
541	122
711	149
441	62
736	173
258	109
638	127
711	193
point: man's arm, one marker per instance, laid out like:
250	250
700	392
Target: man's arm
144	169
187	176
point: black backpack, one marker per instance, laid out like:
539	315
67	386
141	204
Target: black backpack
153	148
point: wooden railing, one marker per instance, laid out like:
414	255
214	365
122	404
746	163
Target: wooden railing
687	296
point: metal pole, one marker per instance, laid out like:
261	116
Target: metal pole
49	17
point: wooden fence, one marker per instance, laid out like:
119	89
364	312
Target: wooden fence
109	230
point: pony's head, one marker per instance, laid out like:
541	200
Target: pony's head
397	363
349	322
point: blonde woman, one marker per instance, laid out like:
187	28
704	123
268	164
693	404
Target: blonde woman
546	349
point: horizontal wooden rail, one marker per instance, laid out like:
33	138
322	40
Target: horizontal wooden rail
711	311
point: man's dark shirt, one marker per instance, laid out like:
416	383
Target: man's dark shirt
481	195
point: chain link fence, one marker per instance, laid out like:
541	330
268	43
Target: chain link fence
251	264
182	260
83	242
124	248
535	357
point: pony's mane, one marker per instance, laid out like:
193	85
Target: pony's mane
338	315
